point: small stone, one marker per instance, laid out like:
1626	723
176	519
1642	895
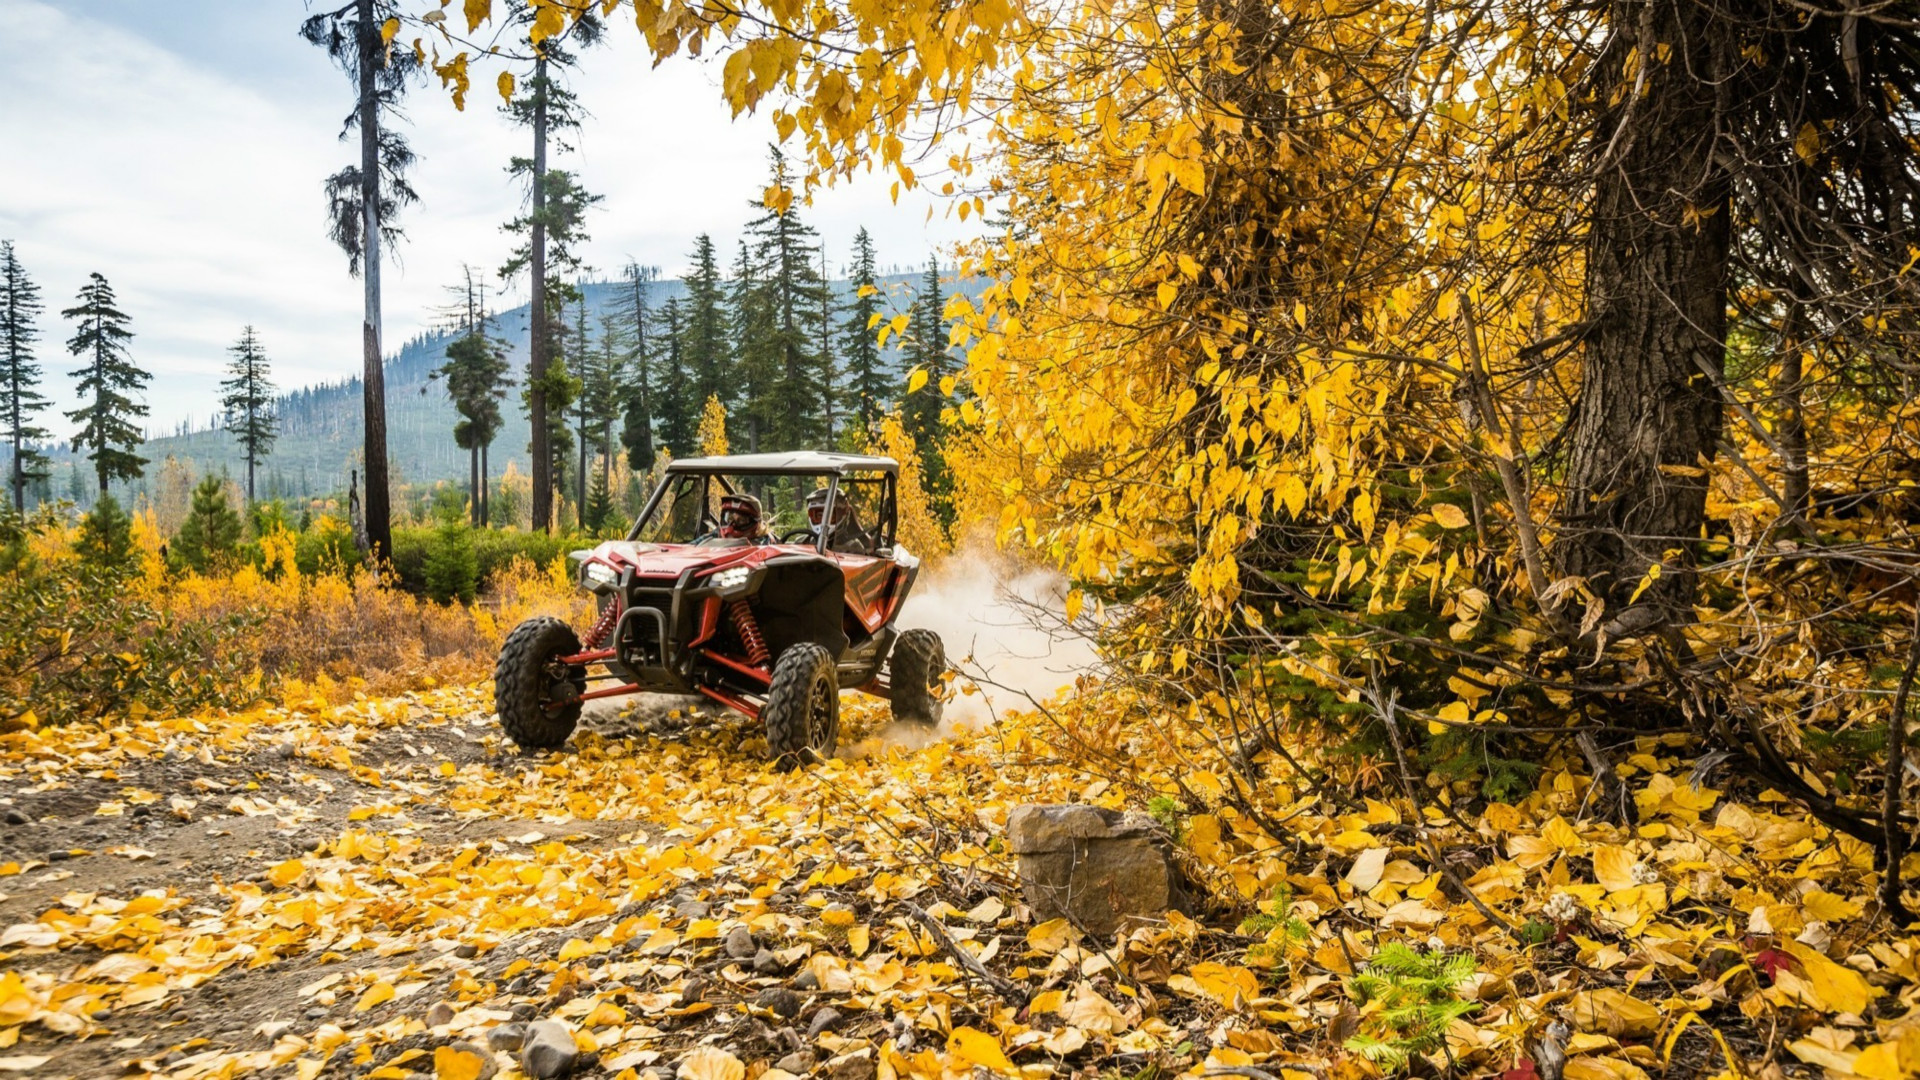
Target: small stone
765	963
740	943
691	909
855	1066
549	1050
693	991
59	855
315	1013
441	1013
466	952
272	1029
487	1066
806	981
507	1038
799	1064
523	1012
16	816
823	1020
779	1000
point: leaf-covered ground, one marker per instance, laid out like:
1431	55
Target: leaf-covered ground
383	889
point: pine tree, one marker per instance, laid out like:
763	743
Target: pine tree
704	326
20	397
106	535
933	367
636	389
757	363
605	388
476	374
211	533
794	294
600	509
869	385
364	201
557	207
107	383
675	405
249	402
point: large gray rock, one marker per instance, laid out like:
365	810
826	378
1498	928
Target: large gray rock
1093	866
549	1050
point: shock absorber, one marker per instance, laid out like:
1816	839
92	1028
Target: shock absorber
749	629
602	625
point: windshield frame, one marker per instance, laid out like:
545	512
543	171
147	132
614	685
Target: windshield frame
886	524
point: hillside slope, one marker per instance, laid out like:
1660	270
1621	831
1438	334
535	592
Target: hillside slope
320	430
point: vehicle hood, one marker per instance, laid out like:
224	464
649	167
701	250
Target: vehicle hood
668	560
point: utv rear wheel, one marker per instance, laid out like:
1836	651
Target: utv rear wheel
803	706
914	673
529	679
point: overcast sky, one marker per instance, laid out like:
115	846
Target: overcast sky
178	149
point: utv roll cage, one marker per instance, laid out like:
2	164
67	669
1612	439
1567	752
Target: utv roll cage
835	467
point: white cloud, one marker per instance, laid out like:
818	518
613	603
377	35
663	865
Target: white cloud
189	174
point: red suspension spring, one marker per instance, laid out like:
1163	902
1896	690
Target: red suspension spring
601	626
749	629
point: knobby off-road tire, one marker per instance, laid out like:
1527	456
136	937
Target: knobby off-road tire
913	674
524	684
803	706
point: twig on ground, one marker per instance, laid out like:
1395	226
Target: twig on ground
1383	706
1001	985
1893	832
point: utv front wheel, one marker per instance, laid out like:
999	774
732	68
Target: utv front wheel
803	706
913	674
529	679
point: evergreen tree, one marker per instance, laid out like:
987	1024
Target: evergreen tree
211	533
675	406
704	326
756	368
869	385
553	224
364	201
636	391
106	535
794	294
476	374
248	401
600	509
452	568
605	383
20	397
933	367
107	382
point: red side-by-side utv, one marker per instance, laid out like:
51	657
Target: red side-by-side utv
763	582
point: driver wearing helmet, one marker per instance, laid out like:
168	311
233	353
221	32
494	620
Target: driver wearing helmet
845	534
739	520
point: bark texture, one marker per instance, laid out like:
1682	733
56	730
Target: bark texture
1650	414
379	521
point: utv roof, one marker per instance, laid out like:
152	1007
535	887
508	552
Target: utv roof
797	462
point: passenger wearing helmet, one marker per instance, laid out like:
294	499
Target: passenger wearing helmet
740	522
845	534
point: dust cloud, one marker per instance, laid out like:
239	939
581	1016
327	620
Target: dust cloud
1003	622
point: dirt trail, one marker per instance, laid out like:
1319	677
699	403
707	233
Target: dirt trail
345	891
198	823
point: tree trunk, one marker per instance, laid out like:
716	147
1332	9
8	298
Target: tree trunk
1649	414
537	349
1793	422
473	482
486	496
373	377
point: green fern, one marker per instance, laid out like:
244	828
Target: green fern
1407	999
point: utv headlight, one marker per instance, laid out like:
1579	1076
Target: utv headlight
599	573
731	578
